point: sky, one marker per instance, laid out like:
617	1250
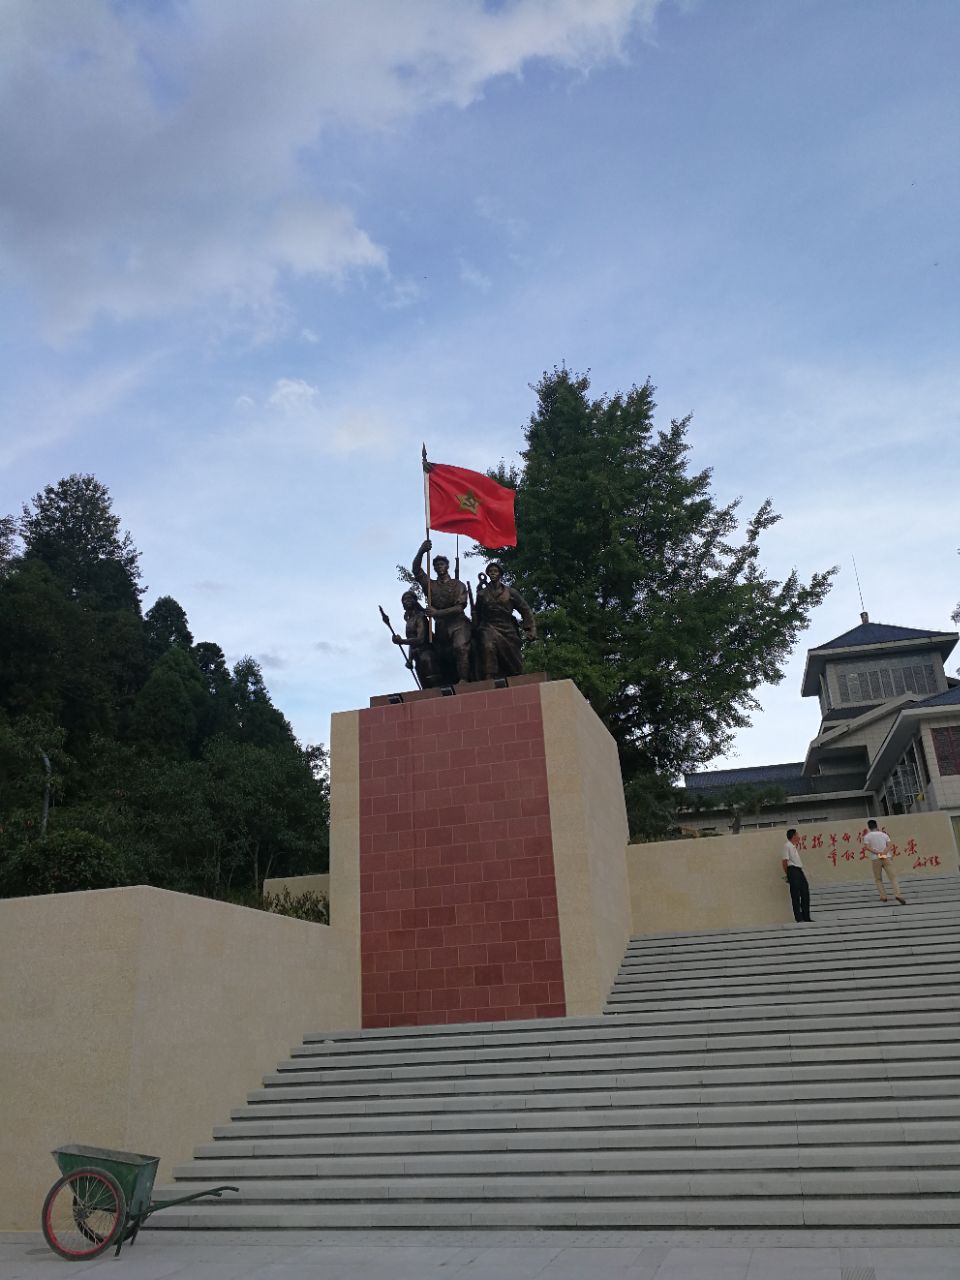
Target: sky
252	254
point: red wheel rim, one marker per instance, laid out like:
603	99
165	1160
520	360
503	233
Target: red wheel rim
83	1213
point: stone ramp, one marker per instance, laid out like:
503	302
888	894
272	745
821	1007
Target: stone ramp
787	1076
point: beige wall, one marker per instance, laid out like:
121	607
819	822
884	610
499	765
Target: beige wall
137	1018
345	830
589	828
719	882
296	885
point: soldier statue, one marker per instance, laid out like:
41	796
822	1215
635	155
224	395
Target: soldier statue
448	603
499	651
418	638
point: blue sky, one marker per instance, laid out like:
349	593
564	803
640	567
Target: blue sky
252	254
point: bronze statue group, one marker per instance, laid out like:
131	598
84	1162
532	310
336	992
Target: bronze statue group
446	645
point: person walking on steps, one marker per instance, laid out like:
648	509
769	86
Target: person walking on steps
877	844
796	878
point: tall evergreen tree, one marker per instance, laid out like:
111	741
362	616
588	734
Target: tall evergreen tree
166	625
72	529
646	594
260	723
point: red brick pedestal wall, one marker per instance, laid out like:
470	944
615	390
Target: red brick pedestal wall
458	896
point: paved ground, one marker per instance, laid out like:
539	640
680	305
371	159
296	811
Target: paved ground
506	1255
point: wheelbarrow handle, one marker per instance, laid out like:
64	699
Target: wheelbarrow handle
196	1195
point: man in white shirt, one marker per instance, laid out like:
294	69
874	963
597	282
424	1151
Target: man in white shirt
877	844
796	878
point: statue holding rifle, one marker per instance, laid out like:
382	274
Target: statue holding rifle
418	639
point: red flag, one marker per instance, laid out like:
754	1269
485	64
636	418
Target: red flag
469	502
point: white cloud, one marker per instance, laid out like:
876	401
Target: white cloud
312	422
475	278
322	240
159	158
403	294
293	396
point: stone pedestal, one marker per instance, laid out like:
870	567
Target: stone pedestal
478	851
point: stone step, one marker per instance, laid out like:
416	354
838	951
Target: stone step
792	1211
707	1056
553	1036
771	1076
302	1137
870	921
795	1005
914	1114
728	1183
833	976
613	1040
796	940
793	940
785	1066
945	1001
902	1157
877	954
830	1088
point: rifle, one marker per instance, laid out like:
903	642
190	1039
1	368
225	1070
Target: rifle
407	660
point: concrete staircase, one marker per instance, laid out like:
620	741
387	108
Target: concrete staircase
792	1075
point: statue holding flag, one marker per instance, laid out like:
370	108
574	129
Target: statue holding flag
457	648
448	607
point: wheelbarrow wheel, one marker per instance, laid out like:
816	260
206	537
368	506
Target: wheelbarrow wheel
83	1213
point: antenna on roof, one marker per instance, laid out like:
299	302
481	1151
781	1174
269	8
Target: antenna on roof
864	616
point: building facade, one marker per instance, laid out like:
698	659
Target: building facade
888	743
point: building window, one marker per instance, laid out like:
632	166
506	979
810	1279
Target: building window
946	746
922	758
887	682
903	785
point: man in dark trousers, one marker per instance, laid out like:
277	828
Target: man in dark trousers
796	878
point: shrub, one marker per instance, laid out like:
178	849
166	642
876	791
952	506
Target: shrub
302	906
63	862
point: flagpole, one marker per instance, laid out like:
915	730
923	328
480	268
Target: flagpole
426	523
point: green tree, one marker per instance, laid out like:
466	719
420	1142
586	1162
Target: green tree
8	543
69	860
220	714
166	625
73	531
169	709
740	799
259	722
647	594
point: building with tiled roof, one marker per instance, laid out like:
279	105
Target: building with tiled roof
889	737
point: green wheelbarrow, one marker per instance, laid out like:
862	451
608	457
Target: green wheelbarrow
102	1199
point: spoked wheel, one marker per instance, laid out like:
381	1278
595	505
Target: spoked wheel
83	1213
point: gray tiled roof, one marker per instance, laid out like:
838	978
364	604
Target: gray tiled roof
836	714
948	698
876	633
760	773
